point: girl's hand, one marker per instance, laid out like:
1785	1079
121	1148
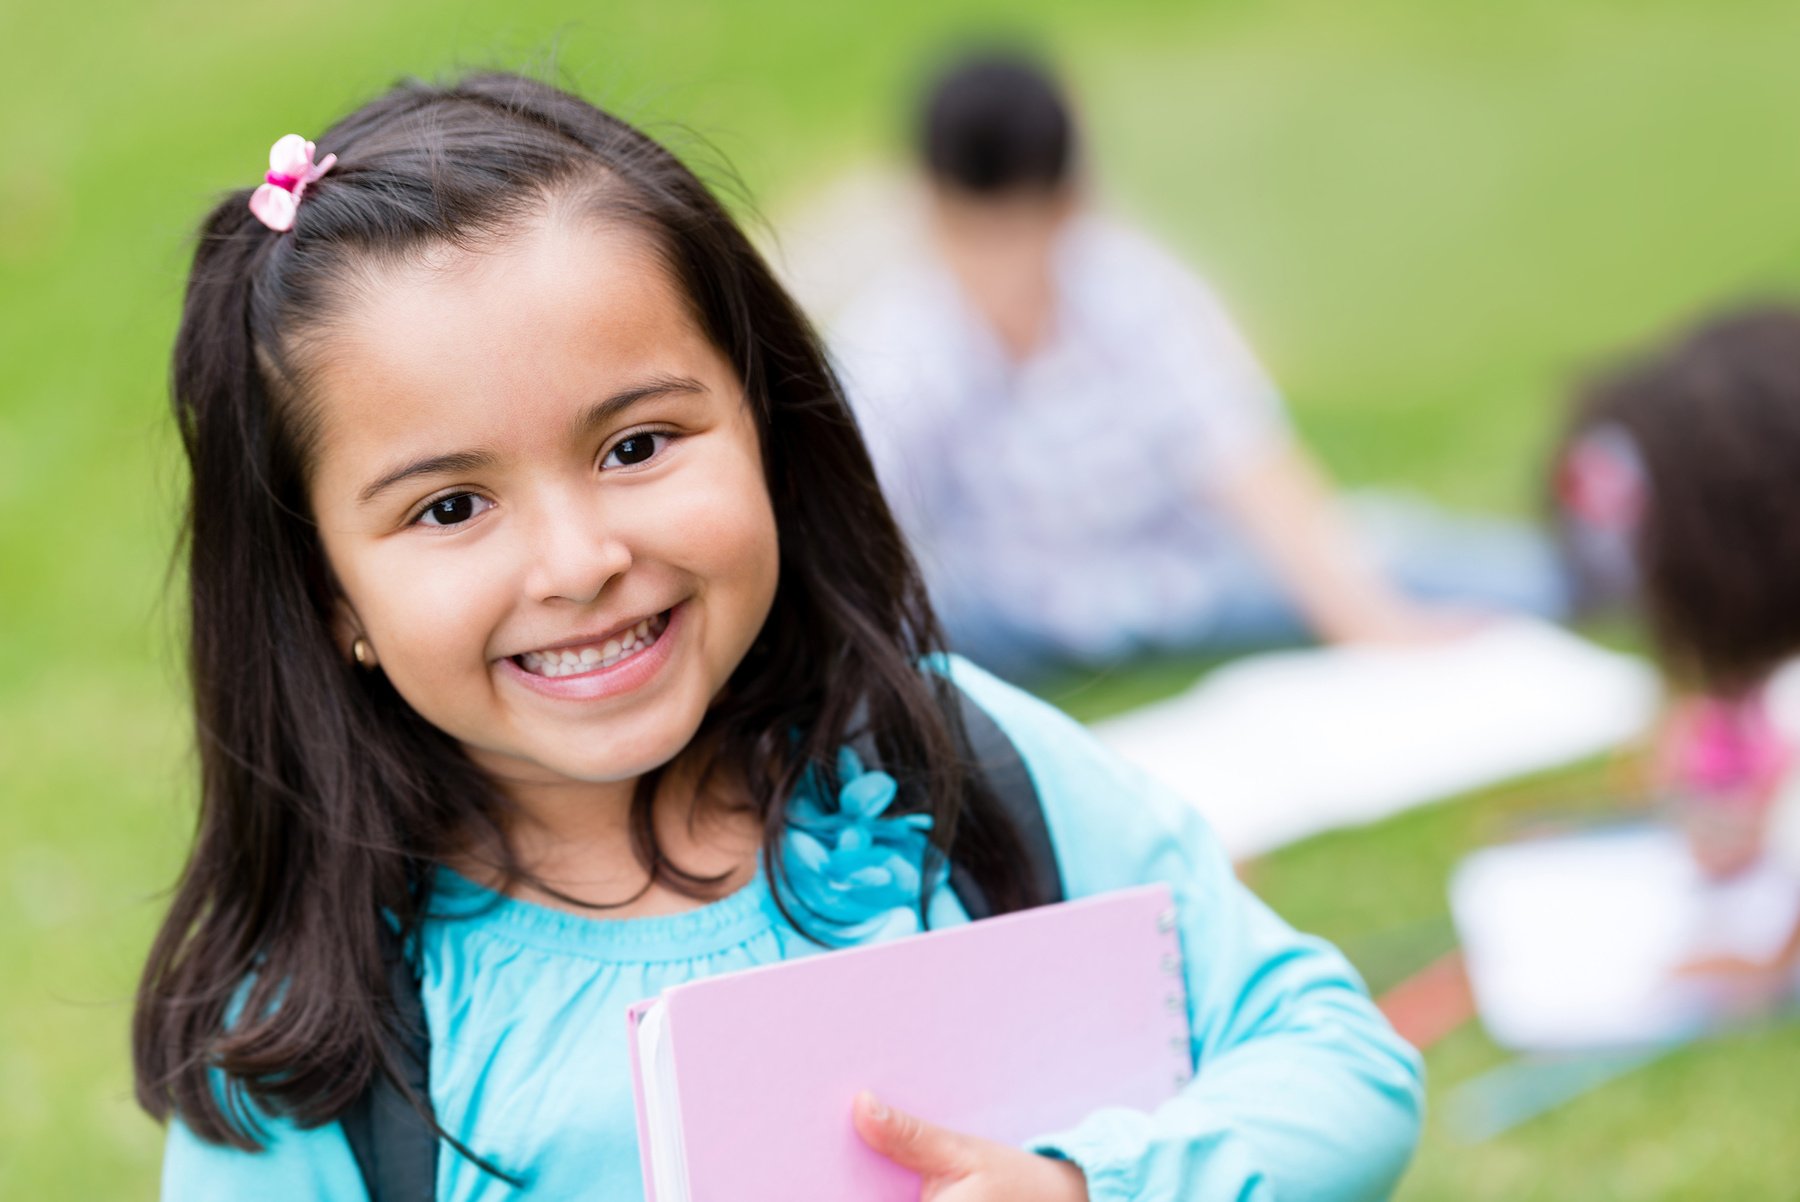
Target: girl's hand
962	1168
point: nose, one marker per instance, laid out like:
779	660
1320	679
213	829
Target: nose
575	551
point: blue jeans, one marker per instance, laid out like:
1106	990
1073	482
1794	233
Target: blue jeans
1429	554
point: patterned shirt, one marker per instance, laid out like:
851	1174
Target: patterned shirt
1071	492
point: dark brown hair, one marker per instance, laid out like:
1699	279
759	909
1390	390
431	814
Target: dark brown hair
325	800
1715	419
995	122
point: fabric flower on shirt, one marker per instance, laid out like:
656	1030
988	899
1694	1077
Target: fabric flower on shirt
850	866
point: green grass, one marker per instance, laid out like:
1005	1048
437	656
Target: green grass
1426	214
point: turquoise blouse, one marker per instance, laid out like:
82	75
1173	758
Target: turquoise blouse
1302	1089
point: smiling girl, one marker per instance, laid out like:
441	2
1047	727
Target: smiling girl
543	600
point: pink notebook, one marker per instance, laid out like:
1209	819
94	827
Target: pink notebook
1008	1028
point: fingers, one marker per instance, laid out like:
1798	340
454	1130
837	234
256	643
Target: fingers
908	1140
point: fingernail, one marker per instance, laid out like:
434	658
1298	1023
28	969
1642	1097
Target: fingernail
877	1111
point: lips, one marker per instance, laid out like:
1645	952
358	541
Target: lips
603	652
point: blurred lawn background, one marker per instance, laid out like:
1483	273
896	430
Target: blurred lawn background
1427	216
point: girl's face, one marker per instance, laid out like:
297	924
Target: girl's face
541	490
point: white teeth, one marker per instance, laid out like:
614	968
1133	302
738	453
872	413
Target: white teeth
572	660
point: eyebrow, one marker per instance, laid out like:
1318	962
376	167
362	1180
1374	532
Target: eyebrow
600	413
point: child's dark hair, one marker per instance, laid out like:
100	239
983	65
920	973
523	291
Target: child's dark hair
325	799
1714	419
996	122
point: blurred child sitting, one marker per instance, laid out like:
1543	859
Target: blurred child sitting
1086	456
1678	488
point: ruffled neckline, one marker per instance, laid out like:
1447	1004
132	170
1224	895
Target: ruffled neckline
850	874
702	931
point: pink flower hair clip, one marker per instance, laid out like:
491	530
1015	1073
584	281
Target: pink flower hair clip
291	168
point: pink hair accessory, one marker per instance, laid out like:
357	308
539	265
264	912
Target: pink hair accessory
1724	747
291	168
1602	480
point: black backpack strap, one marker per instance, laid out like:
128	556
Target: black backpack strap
394	1144
994	756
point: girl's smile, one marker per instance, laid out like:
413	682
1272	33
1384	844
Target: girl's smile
585	669
540	489
579	655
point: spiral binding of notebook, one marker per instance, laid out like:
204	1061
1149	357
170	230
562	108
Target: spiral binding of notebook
1176	1002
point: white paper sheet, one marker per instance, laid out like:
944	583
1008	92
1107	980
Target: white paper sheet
1277	747
1571	942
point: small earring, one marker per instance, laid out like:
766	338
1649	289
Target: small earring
361	651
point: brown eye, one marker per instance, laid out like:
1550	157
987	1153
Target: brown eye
633	450
453	510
